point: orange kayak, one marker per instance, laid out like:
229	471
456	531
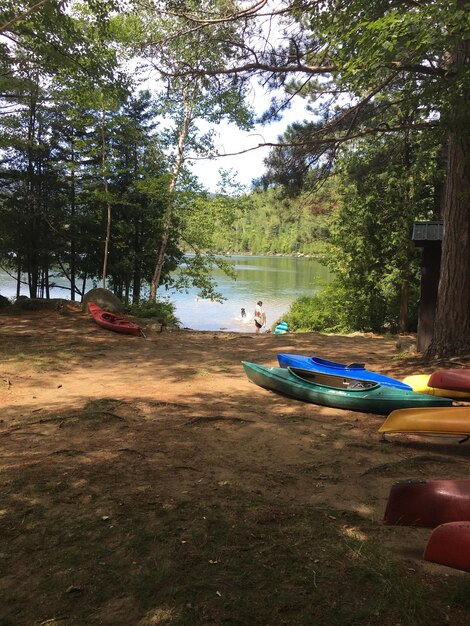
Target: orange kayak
433	420
111	321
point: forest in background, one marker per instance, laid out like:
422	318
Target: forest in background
267	222
94	180
360	222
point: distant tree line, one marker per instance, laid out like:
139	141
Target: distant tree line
360	223
268	222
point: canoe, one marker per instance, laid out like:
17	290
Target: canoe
438	421
353	370
427	503
456	379
337	391
420	384
449	544
114	322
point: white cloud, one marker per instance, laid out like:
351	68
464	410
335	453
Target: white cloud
239	149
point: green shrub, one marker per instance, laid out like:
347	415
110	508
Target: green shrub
323	312
164	312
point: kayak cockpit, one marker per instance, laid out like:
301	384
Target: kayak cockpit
332	381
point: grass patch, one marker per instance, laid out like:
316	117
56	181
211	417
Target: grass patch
459	593
231	559
385	588
39	360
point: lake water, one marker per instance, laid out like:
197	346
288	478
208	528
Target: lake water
277	281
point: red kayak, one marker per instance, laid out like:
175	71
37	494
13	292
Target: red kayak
455	379
428	503
110	321
449	544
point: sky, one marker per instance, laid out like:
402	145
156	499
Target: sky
230	139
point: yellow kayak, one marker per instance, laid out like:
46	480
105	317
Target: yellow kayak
441	421
419	384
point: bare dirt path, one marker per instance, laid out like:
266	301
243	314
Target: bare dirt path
103	435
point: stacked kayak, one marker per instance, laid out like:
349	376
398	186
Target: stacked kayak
440	504
420	384
452	379
337	391
427	503
114	322
429	420
443	505
353	370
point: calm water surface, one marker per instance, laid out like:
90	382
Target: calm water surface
277	281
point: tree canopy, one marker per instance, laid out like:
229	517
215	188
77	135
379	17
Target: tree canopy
367	68
89	169
79	163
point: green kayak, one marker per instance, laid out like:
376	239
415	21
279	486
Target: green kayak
338	391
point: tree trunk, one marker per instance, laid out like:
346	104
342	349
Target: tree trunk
83	286
47	287
451	334
18	278
167	219
31	250
72	261
404	297
104	166
137	264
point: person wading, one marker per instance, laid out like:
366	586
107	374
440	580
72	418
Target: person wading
260	317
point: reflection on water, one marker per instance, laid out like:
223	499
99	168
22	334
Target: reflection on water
277	281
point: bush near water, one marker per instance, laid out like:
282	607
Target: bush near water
164	312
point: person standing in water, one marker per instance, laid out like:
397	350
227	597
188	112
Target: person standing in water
260	317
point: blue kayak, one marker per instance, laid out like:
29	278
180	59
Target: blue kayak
353	370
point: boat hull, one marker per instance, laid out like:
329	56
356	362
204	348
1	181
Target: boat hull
432	420
456	379
337	391
449	544
111	321
427	503
354	370
420	382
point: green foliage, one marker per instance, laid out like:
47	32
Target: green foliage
164	312
61	96
265	222
386	186
322	312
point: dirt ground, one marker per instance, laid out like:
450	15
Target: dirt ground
99	430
